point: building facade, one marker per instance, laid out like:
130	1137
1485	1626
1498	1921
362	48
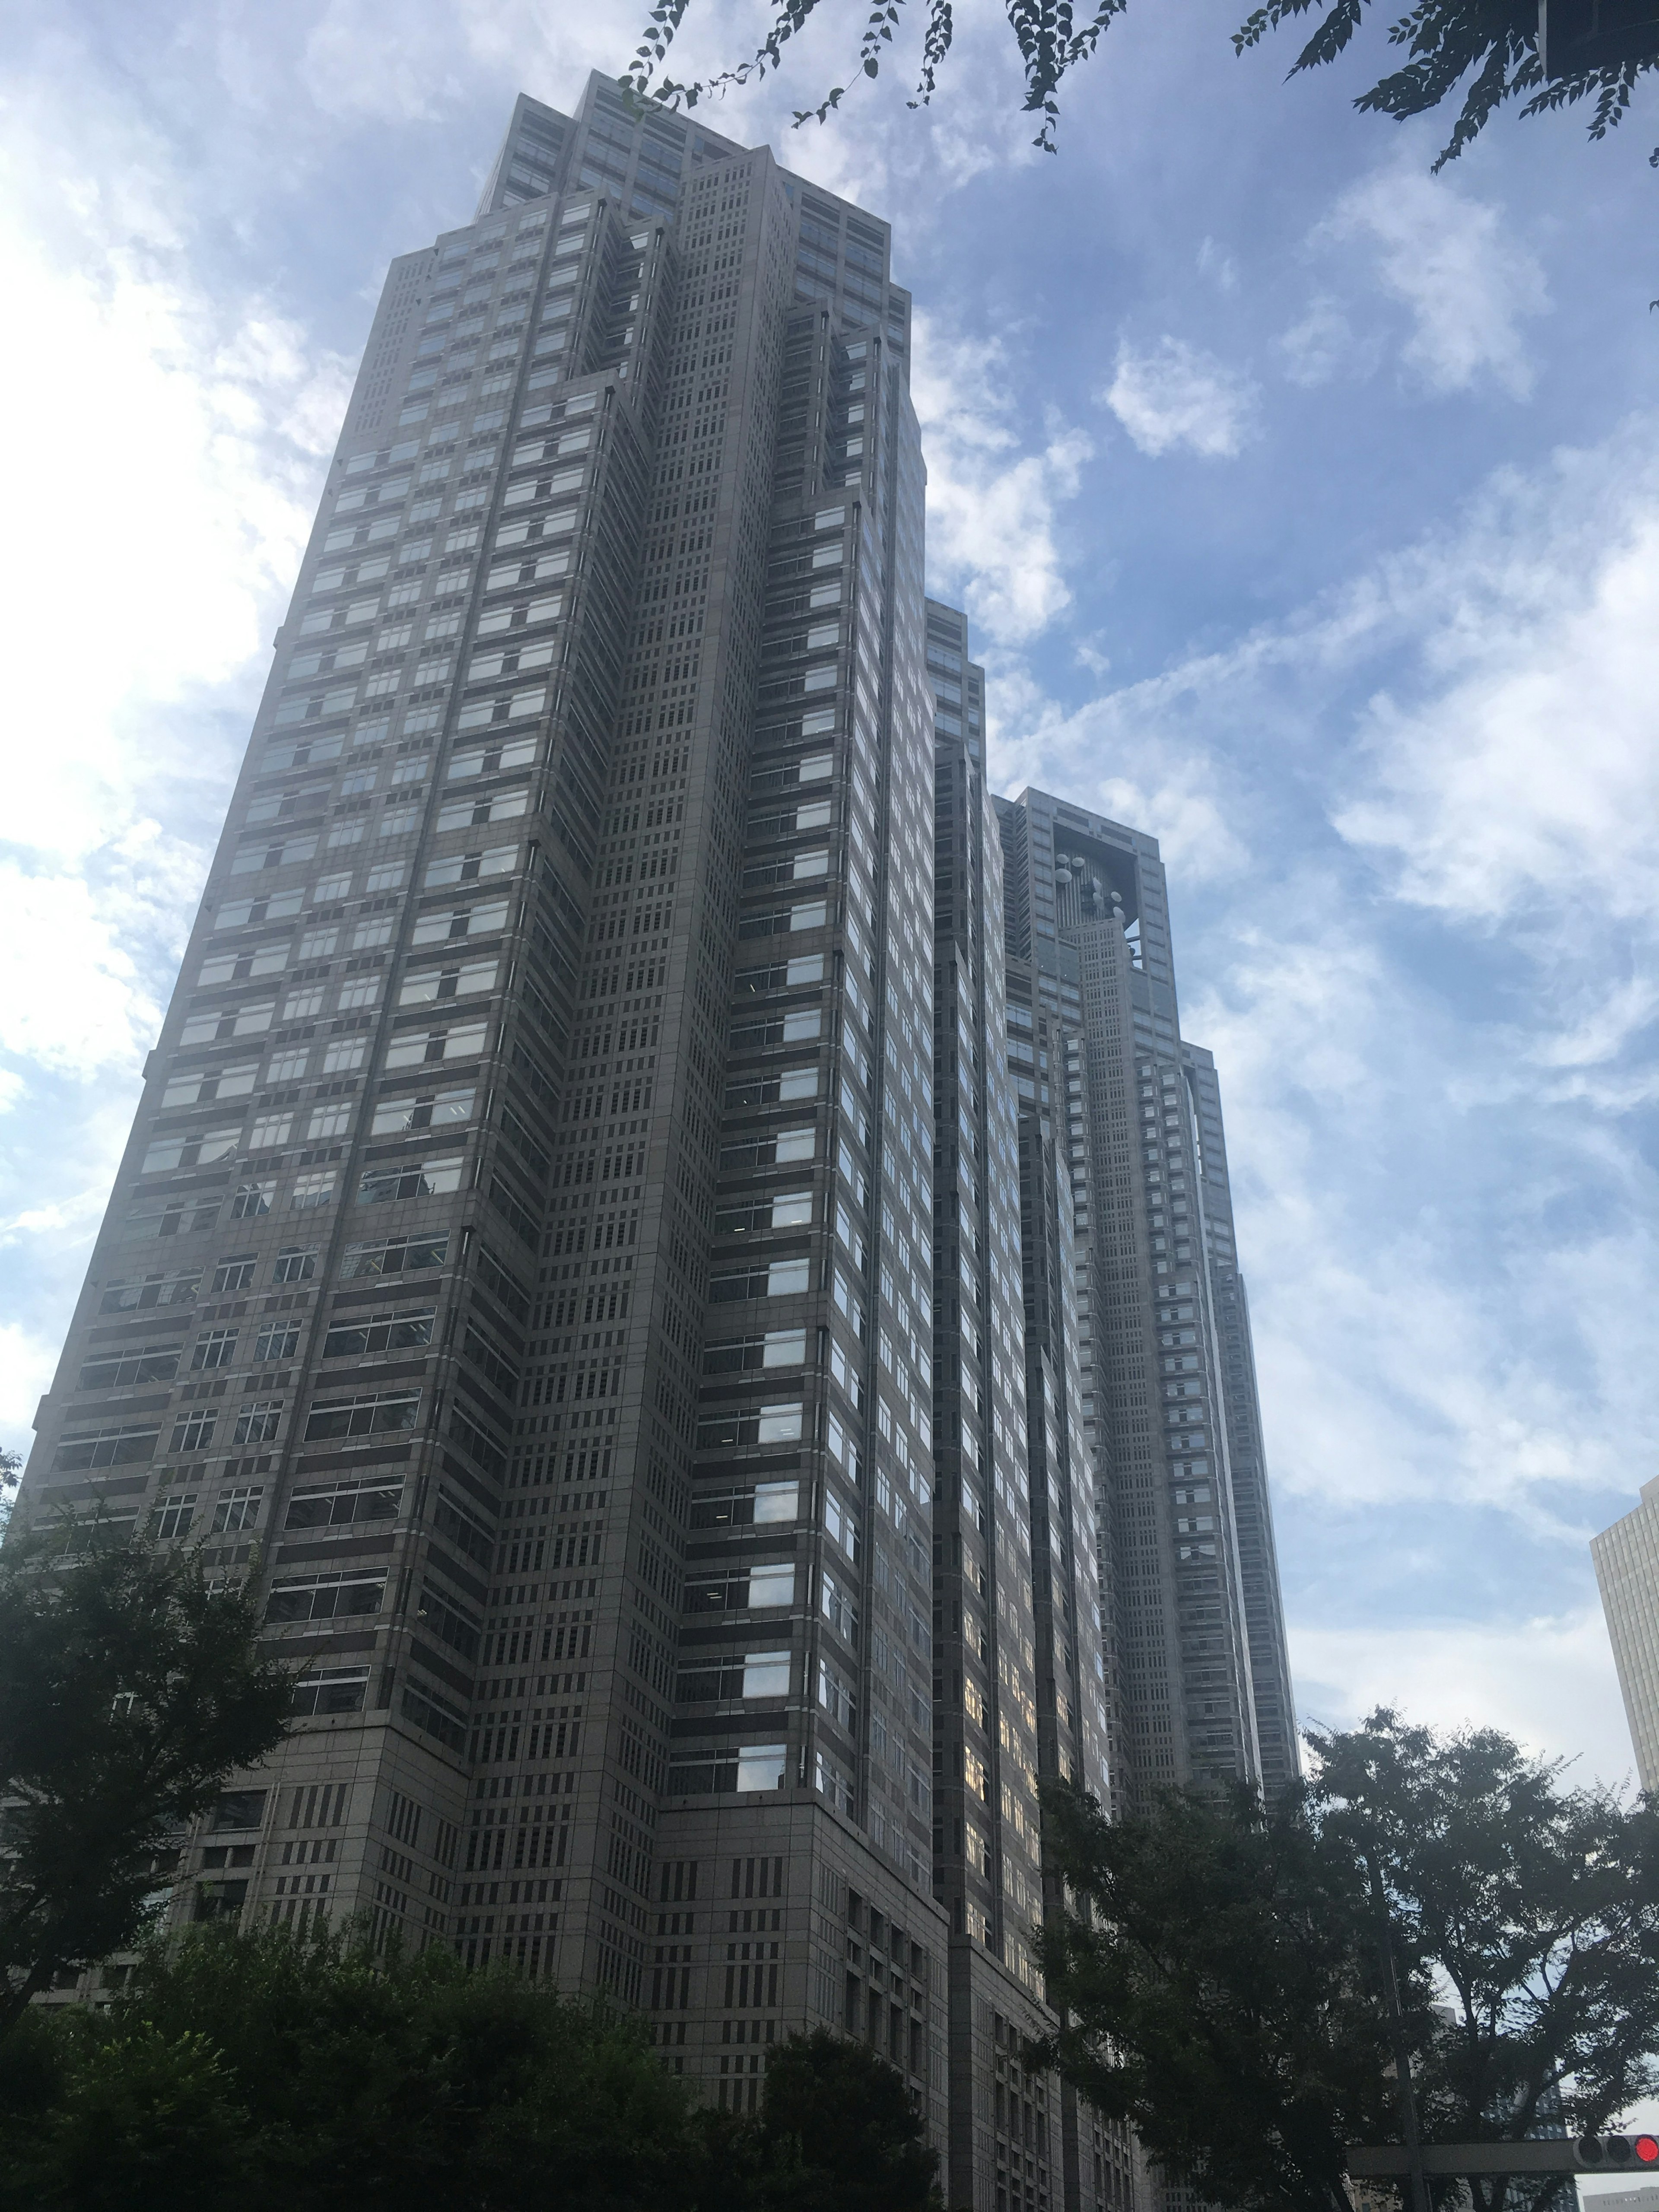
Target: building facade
607	1238
524	1250
1197	1674
1017	1669
1626	1558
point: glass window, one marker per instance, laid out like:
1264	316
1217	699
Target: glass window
327	1598
402	1255
435	1178
105	1447
114	1370
477	921
330	1690
236	1509
401	1331
338	1505
459	983
259	1424
761	1765
363	1416
425	1110
766	1674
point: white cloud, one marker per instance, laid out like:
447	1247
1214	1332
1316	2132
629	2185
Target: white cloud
1172	394
1217	265
1430	1337
991	506
214	415
75	1002
1316	347
27	1360
1454	263
347	67
184	419
1548	1682
1525	777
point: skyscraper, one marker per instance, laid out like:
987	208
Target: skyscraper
1017	1675
1199	1679
525	1241
602	1239
1627	1569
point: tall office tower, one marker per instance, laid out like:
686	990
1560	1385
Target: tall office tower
522	1259
1626	1558
1017	1678
1258	1557
1197	1687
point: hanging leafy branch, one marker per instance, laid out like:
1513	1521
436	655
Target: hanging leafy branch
1446	41
1050	44
1493	44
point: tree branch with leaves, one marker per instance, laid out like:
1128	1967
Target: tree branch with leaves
1221	1973
130	1689
1492	46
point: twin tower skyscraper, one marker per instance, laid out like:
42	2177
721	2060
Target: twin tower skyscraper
677	1237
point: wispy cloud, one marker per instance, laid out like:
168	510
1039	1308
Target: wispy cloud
991	499
1548	1680
1172	395
1452	261
129	704
1519	776
1317	345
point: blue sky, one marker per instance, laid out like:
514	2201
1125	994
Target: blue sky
1307	508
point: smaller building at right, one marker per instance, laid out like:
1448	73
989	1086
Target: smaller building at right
1627	1568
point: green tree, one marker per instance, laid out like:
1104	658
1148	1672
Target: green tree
1221	1994
839	2131
11	1473
142	2121
1535	1909
1221	1983
129	1691
312	2074
318	2074
367	2077
1492	43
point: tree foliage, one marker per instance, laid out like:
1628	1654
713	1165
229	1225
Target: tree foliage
1534	1908
838	2121
1051	39
312	2074
129	1689
1223	1996
1492	43
1222	1988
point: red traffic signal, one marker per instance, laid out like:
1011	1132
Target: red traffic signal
1617	2150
